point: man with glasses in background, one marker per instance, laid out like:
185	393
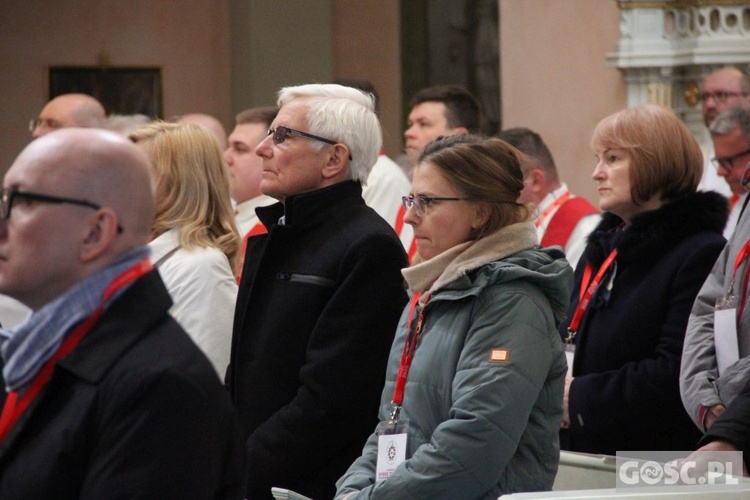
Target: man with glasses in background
319	297
730	132
65	110
68	110
716	353
721	89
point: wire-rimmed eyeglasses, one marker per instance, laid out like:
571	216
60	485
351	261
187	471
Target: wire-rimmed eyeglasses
280	133
8	196
422	203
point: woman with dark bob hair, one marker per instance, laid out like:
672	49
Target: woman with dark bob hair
635	285
472	401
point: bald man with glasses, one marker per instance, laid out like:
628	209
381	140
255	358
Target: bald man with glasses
105	394
68	110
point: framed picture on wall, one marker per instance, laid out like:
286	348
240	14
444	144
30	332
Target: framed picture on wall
122	90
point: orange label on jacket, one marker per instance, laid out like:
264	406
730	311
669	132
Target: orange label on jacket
499	355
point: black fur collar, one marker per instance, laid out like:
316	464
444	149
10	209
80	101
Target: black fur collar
653	233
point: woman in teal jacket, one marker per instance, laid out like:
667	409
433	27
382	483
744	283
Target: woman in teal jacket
472	402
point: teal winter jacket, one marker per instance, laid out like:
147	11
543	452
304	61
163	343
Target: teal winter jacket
479	427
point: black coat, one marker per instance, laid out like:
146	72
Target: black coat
626	395
318	305
135	411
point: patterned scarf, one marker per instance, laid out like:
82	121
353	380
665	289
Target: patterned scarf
29	345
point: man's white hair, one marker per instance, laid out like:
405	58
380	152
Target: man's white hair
345	115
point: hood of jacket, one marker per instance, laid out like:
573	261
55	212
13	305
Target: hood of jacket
509	254
652	234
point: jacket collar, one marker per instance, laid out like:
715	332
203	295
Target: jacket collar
311	207
455	262
120	326
164	245
655	232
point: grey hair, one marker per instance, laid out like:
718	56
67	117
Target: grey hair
731	118
342	114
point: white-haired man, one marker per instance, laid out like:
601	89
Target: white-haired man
319	299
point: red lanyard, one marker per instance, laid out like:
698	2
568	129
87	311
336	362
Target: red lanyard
14	407
407	354
742	256
555	205
588	287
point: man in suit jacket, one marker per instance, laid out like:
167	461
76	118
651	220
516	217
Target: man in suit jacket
106	395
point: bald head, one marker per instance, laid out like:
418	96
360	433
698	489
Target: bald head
211	123
76	200
69	110
95	165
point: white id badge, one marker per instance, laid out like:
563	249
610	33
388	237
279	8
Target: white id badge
725	333
391	447
570	352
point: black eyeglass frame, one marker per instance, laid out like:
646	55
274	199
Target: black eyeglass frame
718	161
720	96
280	132
8	195
425	202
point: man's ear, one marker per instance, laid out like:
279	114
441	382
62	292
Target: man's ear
100	232
338	162
460	131
537	179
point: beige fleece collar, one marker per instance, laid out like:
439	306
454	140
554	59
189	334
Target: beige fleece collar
433	274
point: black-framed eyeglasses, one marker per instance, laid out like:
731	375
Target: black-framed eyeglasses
280	133
8	196
720	96
422	203
728	161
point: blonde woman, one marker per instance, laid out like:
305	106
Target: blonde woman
195	240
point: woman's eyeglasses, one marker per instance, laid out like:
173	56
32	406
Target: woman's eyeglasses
422	203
